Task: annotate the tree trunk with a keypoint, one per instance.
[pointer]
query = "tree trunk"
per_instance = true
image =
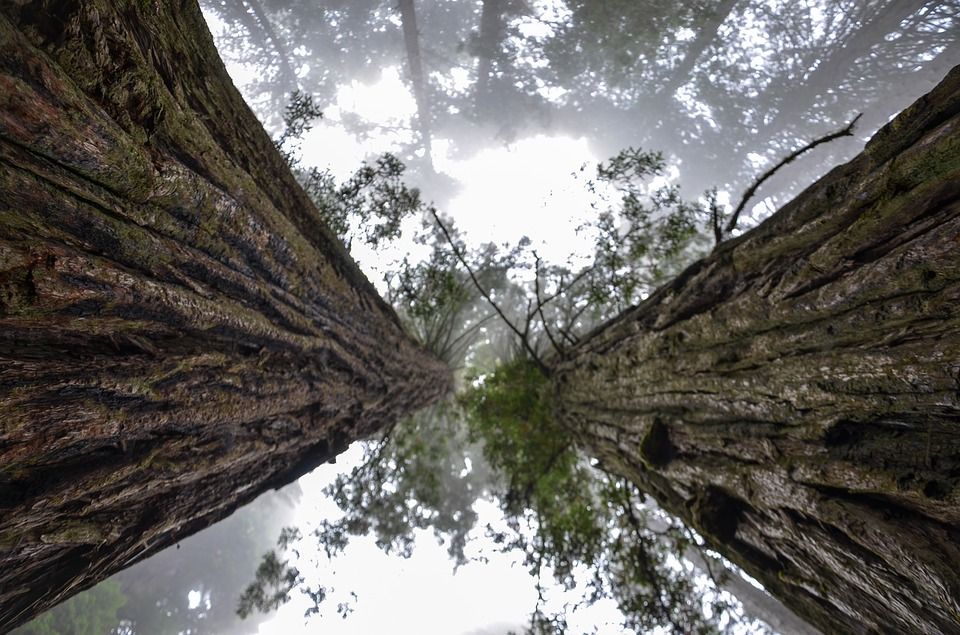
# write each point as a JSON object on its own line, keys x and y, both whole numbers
{"x": 705, "y": 38}
{"x": 411, "y": 41}
{"x": 178, "y": 332}
{"x": 757, "y": 604}
{"x": 795, "y": 396}
{"x": 804, "y": 92}
{"x": 489, "y": 45}
{"x": 257, "y": 20}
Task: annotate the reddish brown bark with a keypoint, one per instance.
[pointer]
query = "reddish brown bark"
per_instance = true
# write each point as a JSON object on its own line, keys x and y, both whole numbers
{"x": 178, "y": 332}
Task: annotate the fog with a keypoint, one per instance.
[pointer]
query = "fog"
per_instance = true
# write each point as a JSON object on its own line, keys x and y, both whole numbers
{"x": 494, "y": 108}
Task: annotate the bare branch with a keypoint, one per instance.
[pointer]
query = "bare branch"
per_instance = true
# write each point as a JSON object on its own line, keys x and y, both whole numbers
{"x": 469, "y": 331}
{"x": 846, "y": 131}
{"x": 572, "y": 339}
{"x": 540, "y": 303}
{"x": 572, "y": 322}
{"x": 486, "y": 296}
{"x": 715, "y": 221}
{"x": 562, "y": 289}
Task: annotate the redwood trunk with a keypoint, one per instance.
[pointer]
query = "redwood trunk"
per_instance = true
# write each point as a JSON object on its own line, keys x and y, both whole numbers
{"x": 178, "y": 332}
{"x": 795, "y": 396}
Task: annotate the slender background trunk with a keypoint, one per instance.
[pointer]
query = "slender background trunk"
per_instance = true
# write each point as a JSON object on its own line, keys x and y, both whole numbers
{"x": 178, "y": 332}
{"x": 489, "y": 46}
{"x": 260, "y": 28}
{"x": 832, "y": 70}
{"x": 795, "y": 396}
{"x": 411, "y": 42}
{"x": 705, "y": 38}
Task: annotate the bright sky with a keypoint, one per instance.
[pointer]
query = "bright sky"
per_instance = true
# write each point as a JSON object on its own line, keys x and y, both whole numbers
{"x": 396, "y": 595}
{"x": 508, "y": 191}
{"x": 417, "y": 595}
{"x": 524, "y": 189}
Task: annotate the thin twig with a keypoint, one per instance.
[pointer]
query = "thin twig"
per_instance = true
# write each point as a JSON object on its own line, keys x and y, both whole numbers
{"x": 715, "y": 220}
{"x": 486, "y": 296}
{"x": 705, "y": 557}
{"x": 472, "y": 328}
{"x": 568, "y": 336}
{"x": 846, "y": 131}
{"x": 563, "y": 288}
{"x": 572, "y": 322}
{"x": 540, "y": 303}
{"x": 649, "y": 568}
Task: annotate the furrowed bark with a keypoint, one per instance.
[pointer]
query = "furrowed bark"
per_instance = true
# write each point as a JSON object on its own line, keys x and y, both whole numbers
{"x": 178, "y": 332}
{"x": 795, "y": 396}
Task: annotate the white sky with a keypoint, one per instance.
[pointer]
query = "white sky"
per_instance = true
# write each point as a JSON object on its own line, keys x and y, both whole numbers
{"x": 417, "y": 595}
{"x": 396, "y": 595}
{"x": 525, "y": 188}
{"x": 507, "y": 192}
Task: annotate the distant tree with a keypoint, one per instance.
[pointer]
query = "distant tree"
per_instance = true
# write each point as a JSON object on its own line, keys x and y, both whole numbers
{"x": 723, "y": 84}
{"x": 707, "y": 36}
{"x": 411, "y": 43}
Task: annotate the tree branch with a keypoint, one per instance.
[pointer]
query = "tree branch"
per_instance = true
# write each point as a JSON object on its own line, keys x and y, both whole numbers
{"x": 451, "y": 346}
{"x": 846, "y": 131}
{"x": 486, "y": 296}
{"x": 715, "y": 221}
{"x": 540, "y": 303}
{"x": 575, "y": 280}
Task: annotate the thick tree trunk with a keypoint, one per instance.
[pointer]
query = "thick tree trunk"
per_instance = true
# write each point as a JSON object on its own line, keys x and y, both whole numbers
{"x": 178, "y": 333}
{"x": 795, "y": 396}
